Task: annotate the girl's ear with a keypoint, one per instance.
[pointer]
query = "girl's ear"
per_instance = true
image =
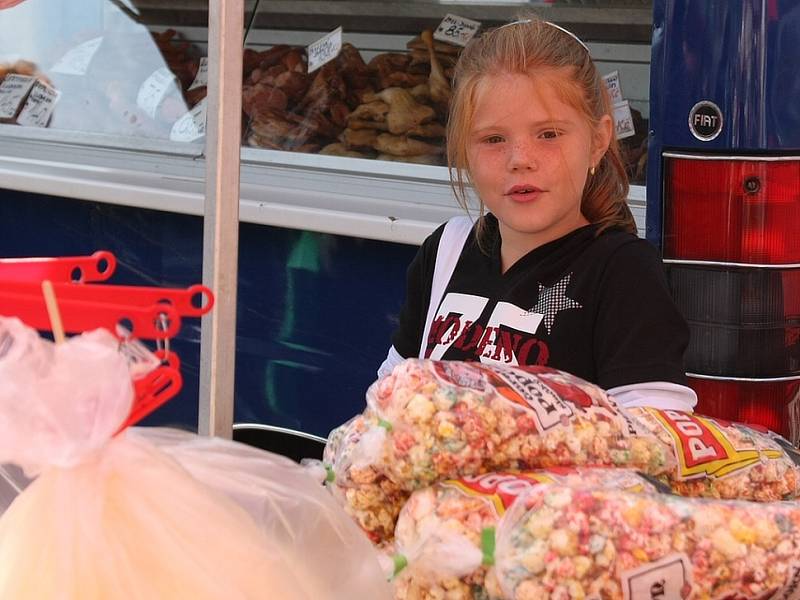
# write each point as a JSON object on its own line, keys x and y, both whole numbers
{"x": 602, "y": 138}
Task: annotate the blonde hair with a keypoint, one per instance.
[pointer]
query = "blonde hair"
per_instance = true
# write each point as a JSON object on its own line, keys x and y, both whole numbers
{"x": 521, "y": 48}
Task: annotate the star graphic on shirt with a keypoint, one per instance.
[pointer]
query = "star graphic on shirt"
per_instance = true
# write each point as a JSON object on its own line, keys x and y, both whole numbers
{"x": 552, "y": 301}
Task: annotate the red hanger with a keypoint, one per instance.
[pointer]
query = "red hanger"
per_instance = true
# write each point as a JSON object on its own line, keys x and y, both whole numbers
{"x": 146, "y": 312}
{"x": 97, "y": 267}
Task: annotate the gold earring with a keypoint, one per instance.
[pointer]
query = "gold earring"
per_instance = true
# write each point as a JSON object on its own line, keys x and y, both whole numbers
{"x": 591, "y": 171}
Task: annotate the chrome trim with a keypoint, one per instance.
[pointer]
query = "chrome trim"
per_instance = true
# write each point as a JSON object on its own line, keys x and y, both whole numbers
{"x": 274, "y": 428}
{"x": 720, "y": 157}
{"x": 745, "y": 379}
{"x": 716, "y": 263}
{"x": 68, "y": 139}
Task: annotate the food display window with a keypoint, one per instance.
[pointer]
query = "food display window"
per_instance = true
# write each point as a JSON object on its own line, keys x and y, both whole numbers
{"x": 344, "y": 103}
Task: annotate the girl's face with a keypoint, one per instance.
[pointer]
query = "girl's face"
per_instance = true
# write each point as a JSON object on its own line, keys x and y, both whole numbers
{"x": 529, "y": 154}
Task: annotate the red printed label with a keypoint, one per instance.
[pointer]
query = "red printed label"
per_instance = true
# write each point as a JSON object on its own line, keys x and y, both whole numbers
{"x": 551, "y": 395}
{"x": 501, "y": 489}
{"x": 703, "y": 448}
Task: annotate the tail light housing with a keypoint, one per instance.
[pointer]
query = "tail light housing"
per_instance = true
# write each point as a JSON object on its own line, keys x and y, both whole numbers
{"x": 732, "y": 253}
{"x": 732, "y": 210}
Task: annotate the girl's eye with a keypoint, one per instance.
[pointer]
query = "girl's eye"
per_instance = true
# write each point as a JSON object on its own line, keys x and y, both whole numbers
{"x": 550, "y": 134}
{"x": 493, "y": 139}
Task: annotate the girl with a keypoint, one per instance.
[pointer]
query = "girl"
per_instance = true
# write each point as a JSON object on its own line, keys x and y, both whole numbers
{"x": 552, "y": 273}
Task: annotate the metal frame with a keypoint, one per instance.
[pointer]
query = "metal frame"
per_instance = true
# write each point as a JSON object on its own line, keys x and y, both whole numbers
{"x": 745, "y": 379}
{"x": 717, "y": 263}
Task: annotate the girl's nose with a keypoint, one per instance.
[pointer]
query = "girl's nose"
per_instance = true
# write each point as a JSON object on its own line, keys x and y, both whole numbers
{"x": 522, "y": 157}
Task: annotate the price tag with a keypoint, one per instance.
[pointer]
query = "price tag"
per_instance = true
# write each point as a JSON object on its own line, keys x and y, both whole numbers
{"x": 456, "y": 30}
{"x": 190, "y": 126}
{"x": 665, "y": 579}
{"x": 77, "y": 60}
{"x": 138, "y": 356}
{"x": 155, "y": 88}
{"x": 201, "y": 79}
{"x": 39, "y": 106}
{"x": 324, "y": 49}
{"x": 13, "y": 91}
{"x": 623, "y": 120}
{"x": 614, "y": 87}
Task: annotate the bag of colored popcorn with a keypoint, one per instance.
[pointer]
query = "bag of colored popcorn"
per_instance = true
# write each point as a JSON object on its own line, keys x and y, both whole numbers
{"x": 567, "y": 542}
{"x": 367, "y": 495}
{"x": 445, "y": 536}
{"x": 721, "y": 459}
{"x": 434, "y": 420}
{"x": 444, "y": 419}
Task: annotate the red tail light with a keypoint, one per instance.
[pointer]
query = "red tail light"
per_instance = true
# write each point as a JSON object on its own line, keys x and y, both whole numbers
{"x": 742, "y": 211}
{"x": 773, "y": 404}
{"x": 732, "y": 248}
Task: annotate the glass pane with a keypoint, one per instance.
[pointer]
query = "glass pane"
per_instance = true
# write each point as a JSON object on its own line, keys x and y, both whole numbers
{"x": 390, "y": 65}
{"x": 114, "y": 67}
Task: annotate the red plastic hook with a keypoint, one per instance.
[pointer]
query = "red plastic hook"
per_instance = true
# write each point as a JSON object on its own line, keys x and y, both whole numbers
{"x": 97, "y": 267}
{"x": 154, "y": 389}
{"x": 182, "y": 300}
{"x": 157, "y": 321}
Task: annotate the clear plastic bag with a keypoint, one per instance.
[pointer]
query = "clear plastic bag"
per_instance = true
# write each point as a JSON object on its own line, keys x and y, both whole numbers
{"x": 151, "y": 513}
{"x": 562, "y": 542}
{"x": 433, "y": 420}
{"x": 448, "y": 418}
{"x": 371, "y": 498}
{"x": 721, "y": 459}
{"x": 445, "y": 537}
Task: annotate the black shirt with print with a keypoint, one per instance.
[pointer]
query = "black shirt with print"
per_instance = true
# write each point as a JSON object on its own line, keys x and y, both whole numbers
{"x": 595, "y": 306}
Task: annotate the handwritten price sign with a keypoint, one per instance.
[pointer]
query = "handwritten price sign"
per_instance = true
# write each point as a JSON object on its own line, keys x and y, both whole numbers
{"x": 324, "y": 49}
{"x": 614, "y": 87}
{"x": 201, "y": 79}
{"x": 623, "y": 120}
{"x": 456, "y": 30}
{"x": 39, "y": 106}
{"x": 192, "y": 125}
{"x": 13, "y": 90}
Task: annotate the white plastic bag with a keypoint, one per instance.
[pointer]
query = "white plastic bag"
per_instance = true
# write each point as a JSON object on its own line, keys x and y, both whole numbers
{"x": 153, "y": 514}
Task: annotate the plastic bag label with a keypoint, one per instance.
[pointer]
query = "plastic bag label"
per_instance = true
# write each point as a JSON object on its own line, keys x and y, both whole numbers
{"x": 501, "y": 489}
{"x": 39, "y": 106}
{"x": 551, "y": 403}
{"x": 790, "y": 591}
{"x": 703, "y": 449}
{"x": 666, "y": 579}
{"x": 77, "y": 60}
{"x": 13, "y": 90}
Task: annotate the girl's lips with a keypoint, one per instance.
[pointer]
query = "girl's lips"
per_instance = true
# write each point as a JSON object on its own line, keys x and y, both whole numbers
{"x": 524, "y": 193}
{"x": 523, "y": 187}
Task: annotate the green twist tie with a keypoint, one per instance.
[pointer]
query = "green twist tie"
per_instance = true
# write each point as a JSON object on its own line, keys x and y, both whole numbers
{"x": 400, "y": 563}
{"x": 385, "y": 424}
{"x": 488, "y": 546}
{"x": 330, "y": 476}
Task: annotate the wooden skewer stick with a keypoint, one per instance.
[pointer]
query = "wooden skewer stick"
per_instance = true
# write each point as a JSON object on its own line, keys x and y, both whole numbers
{"x": 52, "y": 311}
